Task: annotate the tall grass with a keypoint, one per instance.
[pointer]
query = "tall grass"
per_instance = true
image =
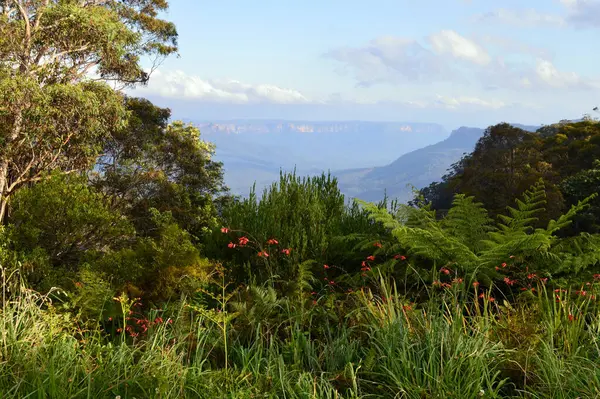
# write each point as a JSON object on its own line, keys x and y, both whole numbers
{"x": 384, "y": 347}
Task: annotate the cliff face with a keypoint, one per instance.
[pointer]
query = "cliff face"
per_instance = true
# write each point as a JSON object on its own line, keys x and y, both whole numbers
{"x": 257, "y": 127}
{"x": 257, "y": 149}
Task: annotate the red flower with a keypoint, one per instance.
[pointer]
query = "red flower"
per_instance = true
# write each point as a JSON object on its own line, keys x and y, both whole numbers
{"x": 497, "y": 268}
{"x": 371, "y": 258}
{"x": 531, "y": 275}
{"x": 582, "y": 293}
{"x": 457, "y": 281}
{"x": 596, "y": 276}
{"x": 543, "y": 280}
{"x": 364, "y": 264}
{"x": 492, "y": 299}
{"x": 512, "y": 256}
{"x": 571, "y": 317}
{"x": 158, "y": 320}
{"x": 332, "y": 282}
{"x": 231, "y": 245}
{"x": 445, "y": 271}
{"x": 243, "y": 240}
{"x": 401, "y": 257}
{"x": 509, "y": 281}
{"x": 313, "y": 293}
{"x": 78, "y": 284}
{"x": 481, "y": 295}
{"x": 314, "y": 302}
{"x": 224, "y": 230}
{"x": 504, "y": 265}
{"x": 475, "y": 284}
{"x": 325, "y": 267}
{"x": 110, "y": 319}
{"x": 377, "y": 244}
{"x": 286, "y": 251}
{"x": 272, "y": 241}
{"x": 263, "y": 254}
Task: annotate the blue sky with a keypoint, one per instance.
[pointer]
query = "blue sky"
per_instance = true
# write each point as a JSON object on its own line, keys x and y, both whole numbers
{"x": 455, "y": 62}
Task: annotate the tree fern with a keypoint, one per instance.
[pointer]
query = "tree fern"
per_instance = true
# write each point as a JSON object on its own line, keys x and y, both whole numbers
{"x": 466, "y": 238}
{"x": 521, "y": 219}
{"x": 468, "y": 221}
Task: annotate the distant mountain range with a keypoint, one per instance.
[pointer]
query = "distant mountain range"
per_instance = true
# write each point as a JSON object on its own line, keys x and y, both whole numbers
{"x": 257, "y": 150}
{"x": 368, "y": 158}
{"x": 416, "y": 169}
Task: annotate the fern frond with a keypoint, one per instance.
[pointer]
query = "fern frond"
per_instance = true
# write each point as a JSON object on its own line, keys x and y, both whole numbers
{"x": 467, "y": 221}
{"x": 522, "y": 218}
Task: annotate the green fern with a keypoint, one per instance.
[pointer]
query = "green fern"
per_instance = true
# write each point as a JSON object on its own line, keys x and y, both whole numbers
{"x": 467, "y": 240}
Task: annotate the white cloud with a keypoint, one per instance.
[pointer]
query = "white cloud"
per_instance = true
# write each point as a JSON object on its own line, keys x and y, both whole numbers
{"x": 450, "y": 42}
{"x": 391, "y": 59}
{"x": 583, "y": 13}
{"x": 462, "y": 101}
{"x": 457, "y": 60}
{"x": 548, "y": 74}
{"x": 521, "y": 17}
{"x": 178, "y": 84}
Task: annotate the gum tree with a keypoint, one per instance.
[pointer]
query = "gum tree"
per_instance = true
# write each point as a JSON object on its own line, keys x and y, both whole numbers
{"x": 61, "y": 65}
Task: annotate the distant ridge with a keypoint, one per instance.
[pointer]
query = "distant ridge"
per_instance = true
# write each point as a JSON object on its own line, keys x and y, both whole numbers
{"x": 418, "y": 168}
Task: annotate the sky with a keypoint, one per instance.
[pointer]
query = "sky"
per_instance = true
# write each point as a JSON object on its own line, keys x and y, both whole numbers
{"x": 453, "y": 62}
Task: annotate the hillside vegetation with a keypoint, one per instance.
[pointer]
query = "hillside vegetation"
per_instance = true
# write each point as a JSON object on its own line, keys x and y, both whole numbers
{"x": 129, "y": 271}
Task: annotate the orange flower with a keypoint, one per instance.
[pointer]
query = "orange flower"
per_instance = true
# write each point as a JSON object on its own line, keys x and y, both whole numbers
{"x": 263, "y": 254}
{"x": 272, "y": 241}
{"x": 285, "y": 251}
{"x": 509, "y": 281}
{"x": 231, "y": 245}
{"x": 377, "y": 244}
{"x": 224, "y": 230}
{"x": 371, "y": 258}
{"x": 475, "y": 284}
{"x": 445, "y": 271}
{"x": 243, "y": 240}
{"x": 492, "y": 299}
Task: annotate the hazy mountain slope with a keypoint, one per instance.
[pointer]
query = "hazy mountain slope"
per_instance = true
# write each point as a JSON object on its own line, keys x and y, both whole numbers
{"x": 418, "y": 168}
{"x": 257, "y": 150}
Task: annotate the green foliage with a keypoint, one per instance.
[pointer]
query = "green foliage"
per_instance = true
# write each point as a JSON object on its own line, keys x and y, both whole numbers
{"x": 160, "y": 267}
{"x": 59, "y": 223}
{"x": 506, "y": 161}
{"x": 466, "y": 242}
{"x": 161, "y": 165}
{"x": 308, "y": 216}
{"x": 53, "y": 115}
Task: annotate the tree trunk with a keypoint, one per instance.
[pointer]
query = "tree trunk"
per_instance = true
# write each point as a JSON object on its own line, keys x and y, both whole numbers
{"x": 3, "y": 187}
{"x": 5, "y": 164}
